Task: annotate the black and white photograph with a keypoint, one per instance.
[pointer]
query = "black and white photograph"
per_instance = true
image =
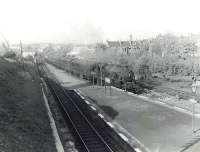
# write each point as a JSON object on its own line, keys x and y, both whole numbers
{"x": 99, "y": 76}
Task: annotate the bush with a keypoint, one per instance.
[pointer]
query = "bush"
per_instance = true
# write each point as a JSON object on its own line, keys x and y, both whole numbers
{"x": 29, "y": 58}
{"x": 9, "y": 54}
{"x": 142, "y": 68}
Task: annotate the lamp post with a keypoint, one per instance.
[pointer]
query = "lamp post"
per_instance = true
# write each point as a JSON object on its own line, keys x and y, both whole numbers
{"x": 93, "y": 73}
{"x": 101, "y": 75}
{"x": 194, "y": 88}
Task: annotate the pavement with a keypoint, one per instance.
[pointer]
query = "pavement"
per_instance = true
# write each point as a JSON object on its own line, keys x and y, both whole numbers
{"x": 159, "y": 127}
{"x": 66, "y": 79}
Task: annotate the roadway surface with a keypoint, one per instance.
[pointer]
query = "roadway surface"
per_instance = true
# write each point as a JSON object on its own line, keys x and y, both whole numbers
{"x": 159, "y": 128}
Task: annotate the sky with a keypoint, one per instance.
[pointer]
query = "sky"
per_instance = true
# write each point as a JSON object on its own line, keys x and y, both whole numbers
{"x": 91, "y": 21}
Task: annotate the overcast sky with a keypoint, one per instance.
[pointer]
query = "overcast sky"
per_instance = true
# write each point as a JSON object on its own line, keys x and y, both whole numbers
{"x": 85, "y": 21}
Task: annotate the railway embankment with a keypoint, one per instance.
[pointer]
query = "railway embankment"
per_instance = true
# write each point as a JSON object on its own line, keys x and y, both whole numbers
{"x": 24, "y": 124}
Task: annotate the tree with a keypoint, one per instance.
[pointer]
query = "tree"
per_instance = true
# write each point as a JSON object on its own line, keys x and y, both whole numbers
{"x": 9, "y": 54}
{"x": 142, "y": 67}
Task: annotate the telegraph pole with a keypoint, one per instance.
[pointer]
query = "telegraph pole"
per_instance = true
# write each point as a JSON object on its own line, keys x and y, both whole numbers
{"x": 21, "y": 55}
{"x": 193, "y": 101}
{"x": 5, "y": 40}
{"x": 101, "y": 75}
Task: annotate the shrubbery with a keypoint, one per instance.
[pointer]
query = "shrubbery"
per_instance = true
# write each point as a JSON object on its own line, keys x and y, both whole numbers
{"x": 9, "y": 54}
{"x": 167, "y": 54}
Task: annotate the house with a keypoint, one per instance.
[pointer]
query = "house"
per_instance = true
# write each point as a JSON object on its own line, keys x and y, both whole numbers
{"x": 81, "y": 52}
{"x": 128, "y": 46}
{"x": 123, "y": 45}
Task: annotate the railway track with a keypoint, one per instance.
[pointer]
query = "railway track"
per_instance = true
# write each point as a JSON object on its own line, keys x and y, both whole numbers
{"x": 90, "y": 132}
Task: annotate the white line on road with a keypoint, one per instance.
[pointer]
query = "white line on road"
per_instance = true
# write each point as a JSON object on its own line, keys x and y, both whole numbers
{"x": 87, "y": 102}
{"x": 93, "y": 108}
{"x": 123, "y": 137}
{"x": 100, "y": 115}
{"x": 110, "y": 124}
{"x": 180, "y": 109}
{"x": 82, "y": 97}
{"x": 144, "y": 97}
{"x": 162, "y": 103}
{"x": 137, "y": 150}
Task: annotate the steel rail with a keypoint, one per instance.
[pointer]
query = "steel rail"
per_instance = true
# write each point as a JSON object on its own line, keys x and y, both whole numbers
{"x": 94, "y": 134}
{"x": 68, "y": 116}
{"x": 81, "y": 135}
{"x": 81, "y": 119}
{"x": 65, "y": 111}
{"x": 68, "y": 96}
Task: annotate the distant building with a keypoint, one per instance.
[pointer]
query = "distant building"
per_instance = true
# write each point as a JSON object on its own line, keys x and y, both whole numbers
{"x": 129, "y": 46}
{"x": 26, "y": 54}
{"x": 81, "y": 52}
{"x": 100, "y": 46}
{"x": 196, "y": 39}
{"x": 198, "y": 48}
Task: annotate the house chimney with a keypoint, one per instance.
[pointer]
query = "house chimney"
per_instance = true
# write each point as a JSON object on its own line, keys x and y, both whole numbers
{"x": 130, "y": 38}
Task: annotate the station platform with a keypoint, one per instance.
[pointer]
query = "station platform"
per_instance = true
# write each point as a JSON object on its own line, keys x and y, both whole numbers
{"x": 158, "y": 127}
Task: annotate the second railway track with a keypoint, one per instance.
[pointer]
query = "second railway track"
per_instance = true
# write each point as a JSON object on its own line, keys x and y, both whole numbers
{"x": 90, "y": 132}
